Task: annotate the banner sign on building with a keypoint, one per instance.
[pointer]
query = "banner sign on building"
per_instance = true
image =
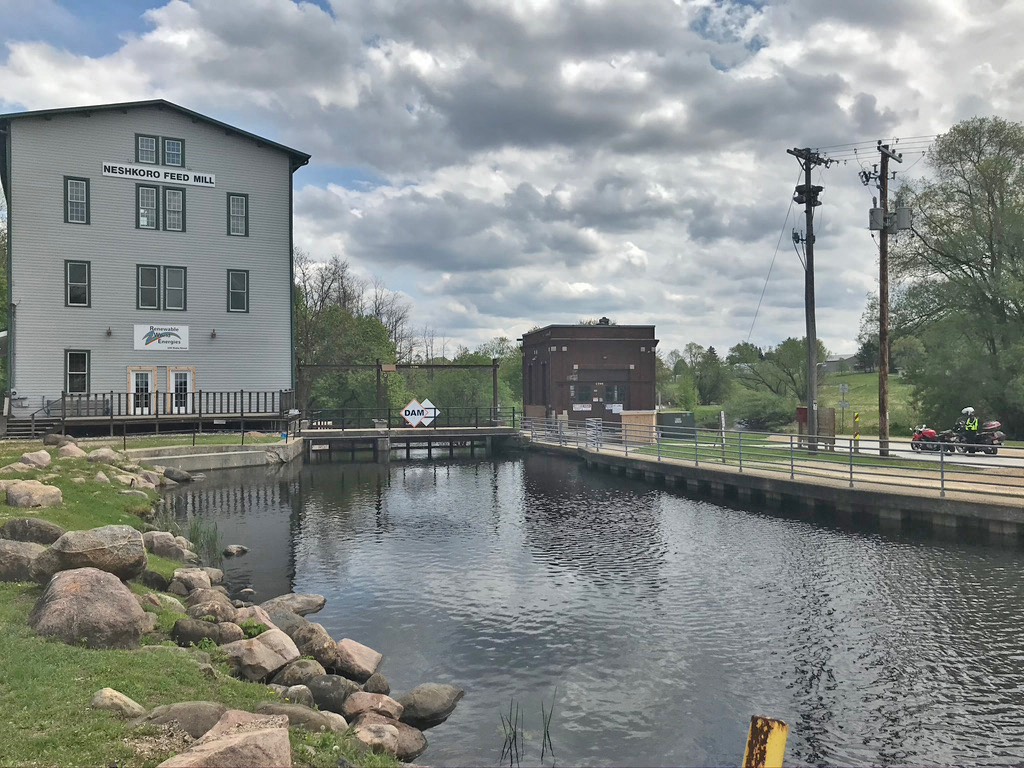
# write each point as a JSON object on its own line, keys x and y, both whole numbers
{"x": 163, "y": 175}
{"x": 161, "y": 337}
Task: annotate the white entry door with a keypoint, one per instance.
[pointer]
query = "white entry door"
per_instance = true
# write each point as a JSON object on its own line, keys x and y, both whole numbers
{"x": 142, "y": 393}
{"x": 182, "y": 386}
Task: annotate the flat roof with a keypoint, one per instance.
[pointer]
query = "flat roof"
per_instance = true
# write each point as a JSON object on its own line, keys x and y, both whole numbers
{"x": 298, "y": 158}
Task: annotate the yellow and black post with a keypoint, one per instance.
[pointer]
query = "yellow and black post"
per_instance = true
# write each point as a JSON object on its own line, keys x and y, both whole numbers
{"x": 856, "y": 432}
{"x": 766, "y": 743}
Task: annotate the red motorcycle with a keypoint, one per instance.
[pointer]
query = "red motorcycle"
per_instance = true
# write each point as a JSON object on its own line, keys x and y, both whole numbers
{"x": 927, "y": 439}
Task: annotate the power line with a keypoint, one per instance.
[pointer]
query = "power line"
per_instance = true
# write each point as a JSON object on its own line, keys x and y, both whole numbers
{"x": 771, "y": 266}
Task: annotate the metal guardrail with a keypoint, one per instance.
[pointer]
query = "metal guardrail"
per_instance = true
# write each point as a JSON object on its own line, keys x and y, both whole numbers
{"x": 854, "y": 463}
{"x": 392, "y": 418}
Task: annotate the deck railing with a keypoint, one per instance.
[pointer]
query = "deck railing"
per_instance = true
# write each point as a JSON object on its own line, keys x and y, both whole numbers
{"x": 239, "y": 402}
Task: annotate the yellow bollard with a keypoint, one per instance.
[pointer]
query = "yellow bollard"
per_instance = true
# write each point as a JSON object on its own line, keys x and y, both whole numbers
{"x": 766, "y": 743}
{"x": 856, "y": 432}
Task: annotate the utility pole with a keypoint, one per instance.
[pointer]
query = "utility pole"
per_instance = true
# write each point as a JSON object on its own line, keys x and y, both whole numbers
{"x": 881, "y": 221}
{"x": 807, "y": 194}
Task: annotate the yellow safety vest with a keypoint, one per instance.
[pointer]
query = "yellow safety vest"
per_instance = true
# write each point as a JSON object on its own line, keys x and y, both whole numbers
{"x": 971, "y": 425}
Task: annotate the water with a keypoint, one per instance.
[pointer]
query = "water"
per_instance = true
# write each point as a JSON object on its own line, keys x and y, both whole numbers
{"x": 655, "y": 624}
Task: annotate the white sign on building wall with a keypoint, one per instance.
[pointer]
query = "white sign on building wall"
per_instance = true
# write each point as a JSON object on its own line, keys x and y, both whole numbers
{"x": 138, "y": 172}
{"x": 161, "y": 337}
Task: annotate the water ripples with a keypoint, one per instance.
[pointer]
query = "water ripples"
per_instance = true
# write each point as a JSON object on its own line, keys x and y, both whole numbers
{"x": 657, "y": 624}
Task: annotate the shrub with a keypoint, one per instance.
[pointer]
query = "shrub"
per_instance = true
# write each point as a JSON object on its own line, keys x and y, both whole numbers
{"x": 760, "y": 410}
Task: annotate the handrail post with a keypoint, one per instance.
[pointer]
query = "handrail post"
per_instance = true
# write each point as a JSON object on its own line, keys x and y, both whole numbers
{"x": 657, "y": 441}
{"x": 63, "y": 413}
{"x": 792, "y": 459}
{"x": 942, "y": 473}
{"x": 851, "y": 463}
{"x": 625, "y": 438}
{"x": 111, "y": 413}
{"x": 696, "y": 445}
{"x": 740, "y": 450}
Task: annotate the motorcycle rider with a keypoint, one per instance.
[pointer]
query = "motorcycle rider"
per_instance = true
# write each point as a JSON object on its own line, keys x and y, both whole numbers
{"x": 969, "y": 424}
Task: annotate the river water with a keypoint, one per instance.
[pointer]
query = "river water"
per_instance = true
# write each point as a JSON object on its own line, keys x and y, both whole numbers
{"x": 654, "y": 624}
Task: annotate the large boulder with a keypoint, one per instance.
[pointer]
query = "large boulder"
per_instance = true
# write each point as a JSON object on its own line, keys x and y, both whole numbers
{"x": 313, "y": 640}
{"x": 377, "y": 737}
{"x": 429, "y": 704}
{"x": 259, "y": 658}
{"x": 187, "y": 632}
{"x": 235, "y": 550}
{"x": 31, "y": 529}
{"x": 104, "y": 456}
{"x": 361, "y": 702}
{"x": 411, "y": 741}
{"x": 114, "y": 701}
{"x": 253, "y": 613}
{"x": 53, "y": 438}
{"x": 32, "y": 494}
{"x": 330, "y": 691}
{"x": 377, "y": 684}
{"x": 299, "y": 694}
{"x": 298, "y": 672}
{"x": 91, "y": 607}
{"x": 193, "y": 578}
{"x": 164, "y": 544}
{"x": 155, "y": 580}
{"x": 177, "y": 475}
{"x": 38, "y": 459}
{"x": 356, "y": 660}
{"x": 239, "y": 739}
{"x": 289, "y": 623}
{"x": 193, "y": 717}
{"x": 16, "y": 559}
{"x": 300, "y": 716}
{"x": 296, "y": 603}
{"x": 116, "y": 549}
{"x": 71, "y": 451}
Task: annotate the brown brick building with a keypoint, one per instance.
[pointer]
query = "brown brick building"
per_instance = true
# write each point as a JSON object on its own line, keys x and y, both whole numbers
{"x": 589, "y": 371}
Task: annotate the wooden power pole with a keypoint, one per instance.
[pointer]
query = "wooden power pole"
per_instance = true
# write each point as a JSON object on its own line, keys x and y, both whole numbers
{"x": 807, "y": 194}
{"x": 883, "y": 296}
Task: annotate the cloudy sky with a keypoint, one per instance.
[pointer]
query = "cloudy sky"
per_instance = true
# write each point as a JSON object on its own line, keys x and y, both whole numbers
{"x": 514, "y": 163}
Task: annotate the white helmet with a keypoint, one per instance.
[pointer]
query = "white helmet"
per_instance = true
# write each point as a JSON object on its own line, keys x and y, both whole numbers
{"x": 968, "y": 411}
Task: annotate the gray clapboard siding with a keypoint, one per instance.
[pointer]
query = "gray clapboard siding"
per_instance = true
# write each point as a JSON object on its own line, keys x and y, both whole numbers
{"x": 251, "y": 350}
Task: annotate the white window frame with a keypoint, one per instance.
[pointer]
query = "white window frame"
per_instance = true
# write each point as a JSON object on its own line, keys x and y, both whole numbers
{"x": 68, "y": 372}
{"x": 170, "y": 210}
{"x": 238, "y": 222}
{"x": 139, "y": 150}
{"x": 68, "y": 283}
{"x": 139, "y": 190}
{"x": 139, "y": 286}
{"x": 80, "y": 197}
{"x": 167, "y": 288}
{"x": 244, "y": 292}
{"x": 180, "y": 153}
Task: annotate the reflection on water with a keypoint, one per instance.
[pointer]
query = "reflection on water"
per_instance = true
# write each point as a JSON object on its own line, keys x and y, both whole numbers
{"x": 657, "y": 624}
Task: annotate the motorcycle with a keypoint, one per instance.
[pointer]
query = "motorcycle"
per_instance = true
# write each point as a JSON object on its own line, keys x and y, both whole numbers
{"x": 986, "y": 440}
{"x": 927, "y": 439}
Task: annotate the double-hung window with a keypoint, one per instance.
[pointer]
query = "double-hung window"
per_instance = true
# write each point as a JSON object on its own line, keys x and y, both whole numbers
{"x": 238, "y": 290}
{"x": 160, "y": 287}
{"x": 174, "y": 288}
{"x": 148, "y": 290}
{"x": 148, "y": 210}
{"x": 76, "y": 371}
{"x": 77, "y": 284}
{"x": 145, "y": 149}
{"x": 174, "y": 152}
{"x": 238, "y": 214}
{"x": 76, "y": 200}
{"x": 152, "y": 200}
{"x": 174, "y": 209}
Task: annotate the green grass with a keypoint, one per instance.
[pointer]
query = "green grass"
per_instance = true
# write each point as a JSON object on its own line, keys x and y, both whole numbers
{"x": 863, "y": 399}
{"x": 46, "y": 686}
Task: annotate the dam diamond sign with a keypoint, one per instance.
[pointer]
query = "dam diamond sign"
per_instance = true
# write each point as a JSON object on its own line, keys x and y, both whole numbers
{"x": 417, "y": 413}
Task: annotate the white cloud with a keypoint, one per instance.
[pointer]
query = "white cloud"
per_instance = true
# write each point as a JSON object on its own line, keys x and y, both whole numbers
{"x": 557, "y": 160}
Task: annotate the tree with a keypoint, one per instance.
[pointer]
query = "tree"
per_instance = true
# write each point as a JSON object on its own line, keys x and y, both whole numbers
{"x": 782, "y": 370}
{"x": 967, "y": 256}
{"x": 711, "y": 377}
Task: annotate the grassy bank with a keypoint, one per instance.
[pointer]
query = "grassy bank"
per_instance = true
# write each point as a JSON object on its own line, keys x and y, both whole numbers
{"x": 863, "y": 399}
{"x": 46, "y": 686}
